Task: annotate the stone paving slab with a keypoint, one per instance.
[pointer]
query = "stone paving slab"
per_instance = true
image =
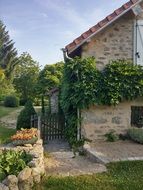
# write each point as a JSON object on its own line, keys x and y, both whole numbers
{"x": 61, "y": 162}
{"x": 105, "y": 152}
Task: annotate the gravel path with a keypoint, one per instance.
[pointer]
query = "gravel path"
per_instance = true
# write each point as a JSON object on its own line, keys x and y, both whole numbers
{"x": 61, "y": 162}
{"x": 10, "y": 120}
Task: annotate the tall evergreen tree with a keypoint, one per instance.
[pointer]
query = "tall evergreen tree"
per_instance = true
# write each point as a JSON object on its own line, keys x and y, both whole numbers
{"x": 8, "y": 53}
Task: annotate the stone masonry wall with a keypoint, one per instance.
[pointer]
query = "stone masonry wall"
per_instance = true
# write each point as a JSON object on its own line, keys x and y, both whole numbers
{"x": 99, "y": 120}
{"x": 31, "y": 174}
{"x": 115, "y": 42}
{"x": 54, "y": 102}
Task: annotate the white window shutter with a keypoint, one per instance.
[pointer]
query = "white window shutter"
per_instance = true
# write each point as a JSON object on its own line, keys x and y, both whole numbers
{"x": 139, "y": 43}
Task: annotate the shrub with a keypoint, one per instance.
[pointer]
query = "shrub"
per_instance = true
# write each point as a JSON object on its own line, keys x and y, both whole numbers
{"x": 22, "y": 102}
{"x": 12, "y": 162}
{"x": 136, "y": 135}
{"x": 24, "y": 118}
{"x": 124, "y": 137}
{"x": 11, "y": 101}
{"x": 111, "y": 136}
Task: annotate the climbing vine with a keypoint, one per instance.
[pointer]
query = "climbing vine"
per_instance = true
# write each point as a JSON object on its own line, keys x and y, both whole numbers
{"x": 78, "y": 89}
{"x": 119, "y": 81}
{"x": 83, "y": 85}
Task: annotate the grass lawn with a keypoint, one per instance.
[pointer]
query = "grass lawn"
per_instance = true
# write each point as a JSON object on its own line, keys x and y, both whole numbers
{"x": 5, "y": 111}
{"x": 5, "y": 134}
{"x": 120, "y": 176}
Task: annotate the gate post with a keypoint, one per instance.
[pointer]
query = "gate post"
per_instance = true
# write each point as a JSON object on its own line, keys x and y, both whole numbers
{"x": 78, "y": 125}
{"x": 39, "y": 126}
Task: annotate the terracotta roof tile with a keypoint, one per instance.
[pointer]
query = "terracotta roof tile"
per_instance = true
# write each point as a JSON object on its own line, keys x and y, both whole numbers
{"x": 119, "y": 11}
{"x": 78, "y": 41}
{"x": 111, "y": 16}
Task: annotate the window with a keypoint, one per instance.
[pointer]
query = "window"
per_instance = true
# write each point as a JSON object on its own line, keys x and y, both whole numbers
{"x": 136, "y": 116}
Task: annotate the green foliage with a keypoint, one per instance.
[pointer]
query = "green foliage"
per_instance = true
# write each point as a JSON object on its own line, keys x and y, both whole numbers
{"x": 80, "y": 78}
{"x": 12, "y": 162}
{"x": 136, "y": 135}
{"x": 83, "y": 85}
{"x": 6, "y": 88}
{"x": 8, "y": 62}
{"x": 77, "y": 147}
{"x": 11, "y": 101}
{"x": 120, "y": 176}
{"x": 2, "y": 75}
{"x": 111, "y": 136}
{"x": 26, "y": 77}
{"x": 2, "y": 175}
{"x": 124, "y": 137}
{"x": 5, "y": 134}
{"x": 119, "y": 81}
{"x": 8, "y": 54}
{"x": 43, "y": 105}
{"x": 24, "y": 118}
{"x": 50, "y": 77}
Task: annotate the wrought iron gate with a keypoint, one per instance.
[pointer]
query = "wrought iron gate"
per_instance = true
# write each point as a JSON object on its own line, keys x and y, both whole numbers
{"x": 52, "y": 127}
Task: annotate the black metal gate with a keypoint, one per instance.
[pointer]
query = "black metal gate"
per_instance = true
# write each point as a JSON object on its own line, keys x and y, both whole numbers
{"x": 52, "y": 127}
{"x": 34, "y": 121}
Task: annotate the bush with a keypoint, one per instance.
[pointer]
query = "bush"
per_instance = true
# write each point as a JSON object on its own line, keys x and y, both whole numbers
{"x": 136, "y": 135}
{"x": 22, "y": 102}
{"x": 111, "y": 136}
{"x": 24, "y": 118}
{"x": 124, "y": 137}
{"x": 11, "y": 101}
{"x": 12, "y": 162}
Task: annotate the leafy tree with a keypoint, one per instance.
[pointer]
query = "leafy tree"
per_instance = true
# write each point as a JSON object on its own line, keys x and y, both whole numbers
{"x": 50, "y": 77}
{"x": 6, "y": 86}
{"x": 8, "y": 54}
{"x": 26, "y": 76}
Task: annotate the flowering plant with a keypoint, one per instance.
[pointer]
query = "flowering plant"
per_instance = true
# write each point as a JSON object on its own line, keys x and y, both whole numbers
{"x": 25, "y": 135}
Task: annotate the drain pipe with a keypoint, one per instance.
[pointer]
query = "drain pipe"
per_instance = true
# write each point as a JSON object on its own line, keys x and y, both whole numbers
{"x": 66, "y": 58}
{"x": 65, "y": 55}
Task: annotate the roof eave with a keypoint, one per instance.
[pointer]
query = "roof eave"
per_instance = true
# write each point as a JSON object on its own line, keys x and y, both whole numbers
{"x": 106, "y": 25}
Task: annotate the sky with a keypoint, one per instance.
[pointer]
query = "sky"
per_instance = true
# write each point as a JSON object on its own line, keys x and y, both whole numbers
{"x": 43, "y": 27}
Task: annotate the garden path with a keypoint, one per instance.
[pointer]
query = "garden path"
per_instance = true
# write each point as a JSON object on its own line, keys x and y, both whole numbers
{"x": 59, "y": 161}
{"x": 10, "y": 119}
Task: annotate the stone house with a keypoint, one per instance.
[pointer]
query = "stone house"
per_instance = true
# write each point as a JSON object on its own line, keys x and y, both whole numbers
{"x": 118, "y": 36}
{"x": 54, "y": 100}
